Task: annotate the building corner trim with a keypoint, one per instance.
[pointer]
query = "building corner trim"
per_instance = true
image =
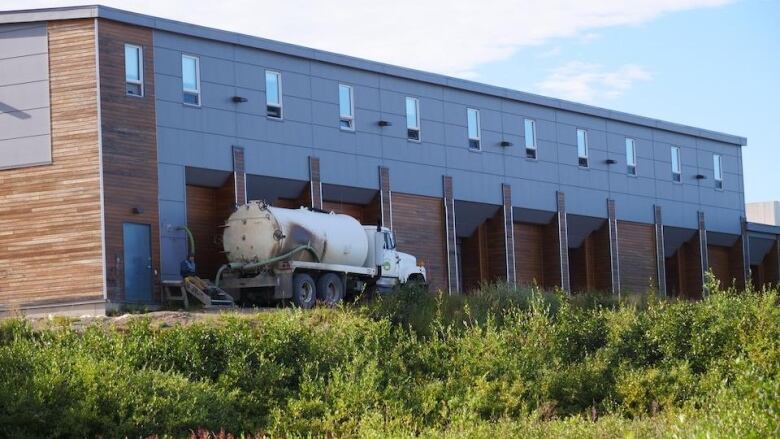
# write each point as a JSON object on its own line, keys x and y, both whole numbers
{"x": 103, "y": 261}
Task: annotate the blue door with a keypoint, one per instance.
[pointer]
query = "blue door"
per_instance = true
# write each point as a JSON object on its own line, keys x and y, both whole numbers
{"x": 138, "y": 262}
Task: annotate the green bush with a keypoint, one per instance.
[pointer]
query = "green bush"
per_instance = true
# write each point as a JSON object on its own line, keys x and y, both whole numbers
{"x": 500, "y": 362}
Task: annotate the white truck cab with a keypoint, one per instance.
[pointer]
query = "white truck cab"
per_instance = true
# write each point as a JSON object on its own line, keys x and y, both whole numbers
{"x": 395, "y": 267}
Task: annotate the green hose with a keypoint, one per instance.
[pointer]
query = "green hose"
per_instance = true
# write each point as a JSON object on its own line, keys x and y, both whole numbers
{"x": 253, "y": 265}
{"x": 191, "y": 240}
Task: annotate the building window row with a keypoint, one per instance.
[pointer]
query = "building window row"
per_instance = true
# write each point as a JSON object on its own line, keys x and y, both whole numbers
{"x": 190, "y": 67}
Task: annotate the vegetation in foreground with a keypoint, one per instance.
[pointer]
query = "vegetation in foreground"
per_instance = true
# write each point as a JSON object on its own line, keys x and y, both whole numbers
{"x": 499, "y": 363}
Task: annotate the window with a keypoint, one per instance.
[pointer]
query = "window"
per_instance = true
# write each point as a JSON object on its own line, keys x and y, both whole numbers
{"x": 582, "y": 147}
{"x": 273, "y": 94}
{"x": 389, "y": 241}
{"x": 134, "y": 70}
{"x": 472, "y": 116}
{"x": 413, "y": 119}
{"x": 717, "y": 167}
{"x": 346, "y": 108}
{"x": 530, "y": 139}
{"x": 676, "y": 166}
{"x": 190, "y": 79}
{"x": 630, "y": 156}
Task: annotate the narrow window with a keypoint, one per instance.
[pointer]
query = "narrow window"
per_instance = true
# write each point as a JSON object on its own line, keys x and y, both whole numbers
{"x": 134, "y": 70}
{"x": 190, "y": 76}
{"x": 473, "y": 128}
{"x": 413, "y": 119}
{"x": 273, "y": 94}
{"x": 717, "y": 166}
{"x": 582, "y": 147}
{"x": 530, "y": 139}
{"x": 346, "y": 108}
{"x": 676, "y": 166}
{"x": 630, "y": 156}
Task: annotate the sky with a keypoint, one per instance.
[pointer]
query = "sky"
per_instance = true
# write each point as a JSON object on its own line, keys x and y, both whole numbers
{"x": 713, "y": 64}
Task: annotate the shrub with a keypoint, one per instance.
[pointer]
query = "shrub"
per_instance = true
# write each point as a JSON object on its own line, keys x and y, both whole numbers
{"x": 500, "y": 362}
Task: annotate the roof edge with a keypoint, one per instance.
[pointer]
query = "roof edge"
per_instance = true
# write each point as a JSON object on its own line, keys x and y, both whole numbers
{"x": 198, "y": 31}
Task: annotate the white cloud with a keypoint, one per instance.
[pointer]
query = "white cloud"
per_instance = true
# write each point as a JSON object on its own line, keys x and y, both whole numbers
{"x": 590, "y": 83}
{"x": 443, "y": 36}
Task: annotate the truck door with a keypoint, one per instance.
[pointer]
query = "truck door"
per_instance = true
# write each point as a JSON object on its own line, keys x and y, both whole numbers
{"x": 390, "y": 258}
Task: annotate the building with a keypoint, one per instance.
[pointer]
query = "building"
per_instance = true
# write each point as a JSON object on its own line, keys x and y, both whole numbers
{"x": 766, "y": 212}
{"x": 117, "y": 129}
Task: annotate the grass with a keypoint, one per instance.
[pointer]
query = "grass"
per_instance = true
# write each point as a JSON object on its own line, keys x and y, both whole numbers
{"x": 499, "y": 363}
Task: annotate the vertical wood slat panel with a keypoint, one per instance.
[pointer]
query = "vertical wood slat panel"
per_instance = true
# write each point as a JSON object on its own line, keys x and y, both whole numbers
{"x": 129, "y": 138}
{"x": 509, "y": 233}
{"x": 529, "y": 254}
{"x": 50, "y": 216}
{"x": 660, "y": 251}
{"x": 614, "y": 248}
{"x": 420, "y": 231}
{"x": 315, "y": 183}
{"x": 638, "y": 261}
{"x": 385, "y": 198}
{"x": 563, "y": 242}
{"x": 451, "y": 239}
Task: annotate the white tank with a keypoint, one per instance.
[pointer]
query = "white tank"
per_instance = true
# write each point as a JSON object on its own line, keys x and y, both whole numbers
{"x": 256, "y": 232}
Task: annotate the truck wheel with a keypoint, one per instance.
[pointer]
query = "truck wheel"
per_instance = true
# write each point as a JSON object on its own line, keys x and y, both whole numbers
{"x": 304, "y": 291}
{"x": 330, "y": 289}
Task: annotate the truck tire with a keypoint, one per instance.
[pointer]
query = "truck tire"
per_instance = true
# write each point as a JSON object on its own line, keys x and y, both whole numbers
{"x": 304, "y": 291}
{"x": 330, "y": 289}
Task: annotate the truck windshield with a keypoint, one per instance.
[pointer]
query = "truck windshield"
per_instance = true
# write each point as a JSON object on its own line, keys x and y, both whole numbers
{"x": 389, "y": 241}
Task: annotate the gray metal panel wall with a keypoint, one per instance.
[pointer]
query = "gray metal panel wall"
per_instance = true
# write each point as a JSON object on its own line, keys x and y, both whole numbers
{"x": 203, "y": 137}
{"x": 25, "y": 123}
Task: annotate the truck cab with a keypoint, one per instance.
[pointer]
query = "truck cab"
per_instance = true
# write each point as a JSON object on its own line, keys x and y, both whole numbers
{"x": 395, "y": 267}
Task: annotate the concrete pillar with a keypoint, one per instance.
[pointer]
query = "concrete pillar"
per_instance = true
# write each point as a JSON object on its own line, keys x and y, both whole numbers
{"x": 509, "y": 233}
{"x": 614, "y": 251}
{"x": 239, "y": 176}
{"x": 703, "y": 250}
{"x": 385, "y": 198}
{"x": 563, "y": 241}
{"x": 453, "y": 283}
{"x": 315, "y": 184}
{"x": 660, "y": 250}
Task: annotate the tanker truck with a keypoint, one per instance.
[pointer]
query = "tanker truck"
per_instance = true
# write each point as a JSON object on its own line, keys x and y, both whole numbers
{"x": 309, "y": 255}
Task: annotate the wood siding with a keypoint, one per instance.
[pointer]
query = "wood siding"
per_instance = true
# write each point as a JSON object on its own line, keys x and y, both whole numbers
{"x": 636, "y": 251}
{"x": 719, "y": 263}
{"x": 683, "y": 271}
{"x": 483, "y": 256}
{"x": 367, "y": 214}
{"x": 496, "y": 247}
{"x": 50, "y": 216}
{"x": 529, "y": 254}
{"x": 590, "y": 265}
{"x": 768, "y": 272}
{"x": 726, "y": 264}
{"x": 129, "y": 149}
{"x": 207, "y": 209}
{"x": 419, "y": 230}
{"x": 551, "y": 256}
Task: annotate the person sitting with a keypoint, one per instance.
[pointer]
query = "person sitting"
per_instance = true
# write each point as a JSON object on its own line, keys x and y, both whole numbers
{"x": 189, "y": 274}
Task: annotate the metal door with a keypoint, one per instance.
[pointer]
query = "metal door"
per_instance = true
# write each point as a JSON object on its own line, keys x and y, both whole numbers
{"x": 138, "y": 262}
